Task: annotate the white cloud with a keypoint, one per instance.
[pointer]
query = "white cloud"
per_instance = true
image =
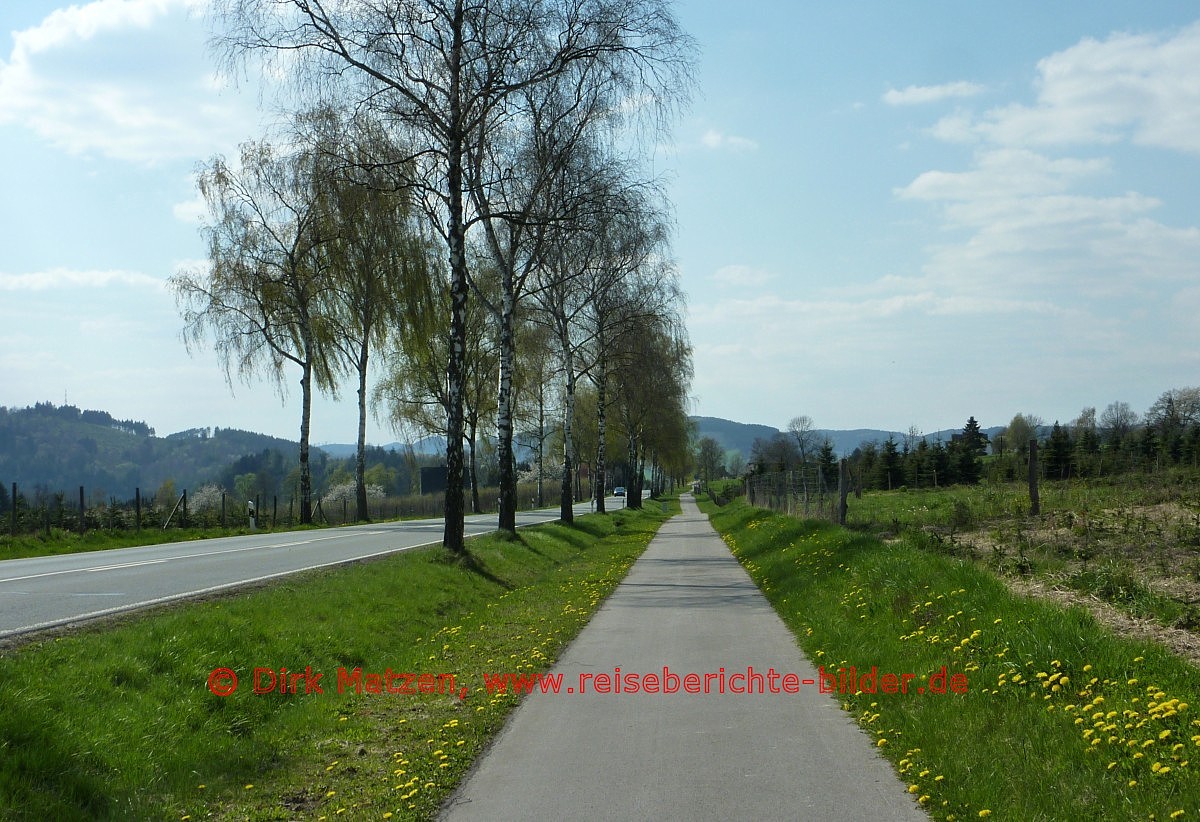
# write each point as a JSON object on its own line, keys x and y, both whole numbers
{"x": 1003, "y": 173}
{"x": 716, "y": 140}
{"x": 1072, "y": 229}
{"x": 78, "y": 80}
{"x": 62, "y": 278}
{"x": 1144, "y": 88}
{"x": 190, "y": 211}
{"x": 913, "y": 95}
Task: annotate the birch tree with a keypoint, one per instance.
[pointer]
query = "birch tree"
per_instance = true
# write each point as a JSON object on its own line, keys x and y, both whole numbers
{"x": 375, "y": 256}
{"x": 414, "y": 387}
{"x": 260, "y": 296}
{"x": 573, "y": 271}
{"x": 635, "y": 284}
{"x": 447, "y": 72}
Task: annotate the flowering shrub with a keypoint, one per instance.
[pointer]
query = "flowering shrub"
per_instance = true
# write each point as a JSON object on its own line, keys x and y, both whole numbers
{"x": 346, "y": 491}
{"x": 206, "y": 498}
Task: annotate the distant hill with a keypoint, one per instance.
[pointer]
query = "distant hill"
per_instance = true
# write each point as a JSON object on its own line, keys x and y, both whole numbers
{"x": 432, "y": 446}
{"x": 59, "y": 448}
{"x": 738, "y": 436}
{"x": 49, "y": 449}
{"x": 732, "y": 436}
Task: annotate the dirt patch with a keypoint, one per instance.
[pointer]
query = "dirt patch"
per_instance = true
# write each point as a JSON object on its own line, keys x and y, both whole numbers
{"x": 1184, "y": 643}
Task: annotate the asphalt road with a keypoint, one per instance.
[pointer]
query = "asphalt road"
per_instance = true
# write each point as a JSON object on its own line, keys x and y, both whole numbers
{"x": 46, "y": 592}
{"x": 687, "y": 606}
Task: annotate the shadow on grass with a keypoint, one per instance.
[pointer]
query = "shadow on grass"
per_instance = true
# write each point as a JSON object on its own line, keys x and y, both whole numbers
{"x": 473, "y": 564}
{"x": 46, "y": 776}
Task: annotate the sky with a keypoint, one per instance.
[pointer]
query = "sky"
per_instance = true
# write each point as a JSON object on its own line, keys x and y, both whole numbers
{"x": 889, "y": 215}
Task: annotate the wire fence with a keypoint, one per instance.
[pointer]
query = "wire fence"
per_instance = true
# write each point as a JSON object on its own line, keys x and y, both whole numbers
{"x": 805, "y": 492}
{"x": 39, "y": 511}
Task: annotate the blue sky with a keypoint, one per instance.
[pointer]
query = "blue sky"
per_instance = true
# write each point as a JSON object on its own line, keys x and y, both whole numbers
{"x": 889, "y": 214}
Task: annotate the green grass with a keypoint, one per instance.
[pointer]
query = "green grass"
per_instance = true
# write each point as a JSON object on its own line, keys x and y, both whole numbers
{"x": 1060, "y": 720}
{"x": 1133, "y": 541}
{"x": 118, "y": 722}
{"x": 962, "y": 506}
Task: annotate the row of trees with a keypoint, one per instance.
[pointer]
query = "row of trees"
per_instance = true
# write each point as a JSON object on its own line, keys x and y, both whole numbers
{"x": 460, "y": 191}
{"x": 891, "y": 464}
{"x": 1112, "y": 441}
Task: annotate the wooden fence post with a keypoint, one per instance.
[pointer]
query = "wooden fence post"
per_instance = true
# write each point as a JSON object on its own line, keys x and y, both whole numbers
{"x": 1035, "y": 505}
{"x": 843, "y": 488}
{"x": 82, "y": 512}
{"x": 137, "y": 507}
{"x": 13, "y": 519}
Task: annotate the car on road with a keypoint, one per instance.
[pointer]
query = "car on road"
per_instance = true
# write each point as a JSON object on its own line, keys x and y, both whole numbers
{"x": 619, "y": 491}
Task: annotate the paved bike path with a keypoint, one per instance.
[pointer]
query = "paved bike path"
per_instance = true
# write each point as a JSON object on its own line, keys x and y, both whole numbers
{"x": 689, "y": 606}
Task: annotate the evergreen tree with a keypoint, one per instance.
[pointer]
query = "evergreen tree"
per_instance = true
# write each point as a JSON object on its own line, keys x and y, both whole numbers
{"x": 1058, "y": 453}
{"x": 969, "y": 449}
{"x": 828, "y": 462}
{"x": 890, "y": 466}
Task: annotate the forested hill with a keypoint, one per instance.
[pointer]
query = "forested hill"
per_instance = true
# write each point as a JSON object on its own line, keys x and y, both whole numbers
{"x": 730, "y": 435}
{"x": 60, "y": 448}
{"x": 737, "y": 436}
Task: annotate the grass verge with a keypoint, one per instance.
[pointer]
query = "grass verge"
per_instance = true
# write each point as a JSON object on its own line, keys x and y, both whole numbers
{"x": 1059, "y": 719}
{"x": 119, "y": 722}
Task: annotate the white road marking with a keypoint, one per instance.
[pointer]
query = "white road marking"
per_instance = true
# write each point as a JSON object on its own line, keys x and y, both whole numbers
{"x": 117, "y": 566}
{"x": 133, "y": 606}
